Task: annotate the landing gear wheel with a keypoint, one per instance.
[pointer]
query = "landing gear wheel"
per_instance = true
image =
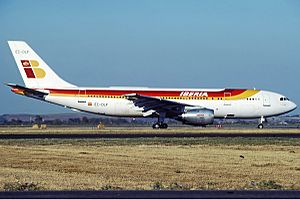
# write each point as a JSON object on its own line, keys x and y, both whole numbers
{"x": 260, "y": 126}
{"x": 160, "y": 125}
{"x": 156, "y": 126}
{"x": 164, "y": 126}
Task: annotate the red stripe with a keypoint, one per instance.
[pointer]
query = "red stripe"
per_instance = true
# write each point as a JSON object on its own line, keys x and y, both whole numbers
{"x": 29, "y": 73}
{"x": 233, "y": 92}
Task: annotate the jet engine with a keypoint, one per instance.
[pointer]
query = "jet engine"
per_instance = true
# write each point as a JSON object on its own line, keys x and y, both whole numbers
{"x": 198, "y": 117}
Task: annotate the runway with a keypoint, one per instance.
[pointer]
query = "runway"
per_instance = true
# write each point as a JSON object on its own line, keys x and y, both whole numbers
{"x": 144, "y": 135}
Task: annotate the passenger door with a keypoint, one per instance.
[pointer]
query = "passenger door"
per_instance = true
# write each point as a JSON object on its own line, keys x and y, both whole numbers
{"x": 266, "y": 100}
{"x": 227, "y": 98}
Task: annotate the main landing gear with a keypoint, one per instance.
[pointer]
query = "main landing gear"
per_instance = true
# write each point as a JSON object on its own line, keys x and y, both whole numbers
{"x": 160, "y": 125}
{"x": 160, "y": 122}
{"x": 261, "y": 120}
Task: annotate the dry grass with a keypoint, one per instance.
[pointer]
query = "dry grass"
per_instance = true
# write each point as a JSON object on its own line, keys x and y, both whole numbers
{"x": 187, "y": 163}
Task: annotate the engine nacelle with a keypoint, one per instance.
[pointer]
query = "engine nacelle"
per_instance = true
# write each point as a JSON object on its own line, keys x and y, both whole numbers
{"x": 198, "y": 116}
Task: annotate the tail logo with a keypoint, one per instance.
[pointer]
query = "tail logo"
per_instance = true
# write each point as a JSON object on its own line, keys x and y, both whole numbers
{"x": 32, "y": 69}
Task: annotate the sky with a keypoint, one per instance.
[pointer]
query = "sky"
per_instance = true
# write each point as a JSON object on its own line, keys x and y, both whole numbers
{"x": 154, "y": 43}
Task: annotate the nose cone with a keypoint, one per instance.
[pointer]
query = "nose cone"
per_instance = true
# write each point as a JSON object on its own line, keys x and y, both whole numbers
{"x": 293, "y": 106}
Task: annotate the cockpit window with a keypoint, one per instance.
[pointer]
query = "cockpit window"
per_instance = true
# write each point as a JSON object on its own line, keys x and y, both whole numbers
{"x": 284, "y": 99}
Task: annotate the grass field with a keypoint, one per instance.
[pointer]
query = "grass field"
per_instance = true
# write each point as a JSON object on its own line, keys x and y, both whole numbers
{"x": 150, "y": 163}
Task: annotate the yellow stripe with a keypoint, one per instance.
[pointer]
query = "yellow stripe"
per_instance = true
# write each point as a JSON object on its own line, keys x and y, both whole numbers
{"x": 244, "y": 95}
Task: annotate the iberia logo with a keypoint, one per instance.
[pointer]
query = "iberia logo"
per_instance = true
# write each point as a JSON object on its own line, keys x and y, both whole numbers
{"x": 32, "y": 70}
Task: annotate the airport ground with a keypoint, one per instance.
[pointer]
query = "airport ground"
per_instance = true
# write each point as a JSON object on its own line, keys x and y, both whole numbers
{"x": 150, "y": 163}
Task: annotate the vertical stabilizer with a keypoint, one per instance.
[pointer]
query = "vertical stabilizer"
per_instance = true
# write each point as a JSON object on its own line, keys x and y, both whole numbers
{"x": 35, "y": 72}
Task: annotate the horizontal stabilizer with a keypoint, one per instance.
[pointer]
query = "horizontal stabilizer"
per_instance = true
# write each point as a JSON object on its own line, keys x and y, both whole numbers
{"x": 18, "y": 89}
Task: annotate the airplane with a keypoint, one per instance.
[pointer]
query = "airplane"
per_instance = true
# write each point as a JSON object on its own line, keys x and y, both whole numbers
{"x": 192, "y": 106}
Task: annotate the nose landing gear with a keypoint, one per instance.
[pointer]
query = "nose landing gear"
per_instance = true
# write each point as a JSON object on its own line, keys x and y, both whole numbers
{"x": 260, "y": 126}
{"x": 261, "y": 120}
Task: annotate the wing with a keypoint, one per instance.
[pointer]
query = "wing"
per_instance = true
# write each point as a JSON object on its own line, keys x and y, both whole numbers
{"x": 157, "y": 105}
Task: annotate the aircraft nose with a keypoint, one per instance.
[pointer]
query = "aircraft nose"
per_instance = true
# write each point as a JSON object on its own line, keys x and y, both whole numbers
{"x": 293, "y": 106}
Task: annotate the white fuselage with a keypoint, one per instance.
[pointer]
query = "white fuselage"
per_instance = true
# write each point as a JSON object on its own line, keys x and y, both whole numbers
{"x": 263, "y": 103}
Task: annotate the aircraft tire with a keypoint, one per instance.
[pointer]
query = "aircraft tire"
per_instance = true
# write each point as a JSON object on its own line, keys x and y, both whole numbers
{"x": 260, "y": 126}
{"x": 156, "y": 126}
{"x": 164, "y": 126}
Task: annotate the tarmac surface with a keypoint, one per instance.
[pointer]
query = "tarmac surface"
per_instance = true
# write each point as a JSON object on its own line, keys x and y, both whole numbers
{"x": 142, "y": 135}
{"x": 152, "y": 194}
